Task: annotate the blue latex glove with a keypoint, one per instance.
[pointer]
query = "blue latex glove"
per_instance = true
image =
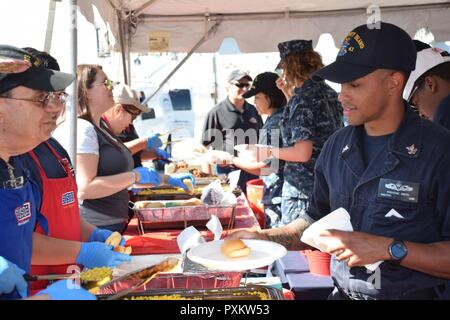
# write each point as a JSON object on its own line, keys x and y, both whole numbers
{"x": 98, "y": 254}
{"x": 148, "y": 175}
{"x": 101, "y": 235}
{"x": 176, "y": 180}
{"x": 67, "y": 290}
{"x": 154, "y": 142}
{"x": 11, "y": 278}
{"x": 162, "y": 154}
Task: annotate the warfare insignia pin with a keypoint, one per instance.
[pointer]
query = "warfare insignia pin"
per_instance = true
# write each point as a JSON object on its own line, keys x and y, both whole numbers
{"x": 412, "y": 149}
{"x": 345, "y": 148}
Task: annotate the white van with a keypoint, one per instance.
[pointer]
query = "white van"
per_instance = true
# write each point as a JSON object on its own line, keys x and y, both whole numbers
{"x": 170, "y": 111}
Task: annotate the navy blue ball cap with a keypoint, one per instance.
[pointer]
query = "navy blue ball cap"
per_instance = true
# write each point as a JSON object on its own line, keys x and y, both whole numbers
{"x": 288, "y": 47}
{"x": 265, "y": 83}
{"x": 365, "y": 50}
{"x": 36, "y": 77}
{"x": 292, "y": 46}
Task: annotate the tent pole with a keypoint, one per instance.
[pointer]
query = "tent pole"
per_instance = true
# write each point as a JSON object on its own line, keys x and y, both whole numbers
{"x": 144, "y": 6}
{"x": 215, "y": 78}
{"x": 122, "y": 45}
{"x": 128, "y": 58}
{"x": 212, "y": 30}
{"x": 293, "y": 14}
{"x": 50, "y": 23}
{"x": 72, "y": 90}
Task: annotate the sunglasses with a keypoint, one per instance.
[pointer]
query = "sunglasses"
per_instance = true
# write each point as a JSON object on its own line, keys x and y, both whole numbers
{"x": 109, "y": 84}
{"x": 44, "y": 100}
{"x": 132, "y": 110}
{"x": 242, "y": 85}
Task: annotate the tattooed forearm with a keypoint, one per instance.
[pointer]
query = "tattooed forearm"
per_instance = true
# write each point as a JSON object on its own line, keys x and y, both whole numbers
{"x": 289, "y": 235}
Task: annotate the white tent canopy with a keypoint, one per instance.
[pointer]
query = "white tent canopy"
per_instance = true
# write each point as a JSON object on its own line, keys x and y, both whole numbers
{"x": 257, "y": 25}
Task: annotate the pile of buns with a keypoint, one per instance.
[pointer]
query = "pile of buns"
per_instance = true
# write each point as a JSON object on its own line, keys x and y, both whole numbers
{"x": 234, "y": 248}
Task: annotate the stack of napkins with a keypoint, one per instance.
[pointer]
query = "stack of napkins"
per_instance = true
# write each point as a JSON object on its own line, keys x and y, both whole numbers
{"x": 339, "y": 219}
{"x": 191, "y": 237}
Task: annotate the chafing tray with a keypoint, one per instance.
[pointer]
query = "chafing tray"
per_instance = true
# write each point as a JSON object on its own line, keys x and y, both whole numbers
{"x": 186, "y": 280}
{"x": 183, "y": 216}
{"x": 172, "y": 193}
{"x": 237, "y": 293}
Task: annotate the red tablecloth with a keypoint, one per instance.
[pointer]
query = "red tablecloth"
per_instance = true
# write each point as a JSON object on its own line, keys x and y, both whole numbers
{"x": 165, "y": 241}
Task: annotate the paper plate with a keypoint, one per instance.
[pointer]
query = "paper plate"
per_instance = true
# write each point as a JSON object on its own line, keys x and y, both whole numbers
{"x": 262, "y": 254}
{"x": 248, "y": 154}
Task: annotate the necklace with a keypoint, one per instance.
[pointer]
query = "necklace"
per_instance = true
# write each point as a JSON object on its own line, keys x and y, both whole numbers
{"x": 13, "y": 182}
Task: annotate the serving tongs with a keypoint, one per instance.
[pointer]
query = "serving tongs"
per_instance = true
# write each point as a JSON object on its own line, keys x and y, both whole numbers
{"x": 50, "y": 277}
{"x": 142, "y": 277}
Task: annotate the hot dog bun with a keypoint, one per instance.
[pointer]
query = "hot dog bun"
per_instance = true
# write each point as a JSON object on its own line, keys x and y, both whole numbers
{"x": 114, "y": 239}
{"x": 234, "y": 248}
{"x": 188, "y": 183}
{"x": 124, "y": 250}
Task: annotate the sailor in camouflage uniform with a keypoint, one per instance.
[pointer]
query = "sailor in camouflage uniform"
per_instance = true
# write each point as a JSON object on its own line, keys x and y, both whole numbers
{"x": 312, "y": 114}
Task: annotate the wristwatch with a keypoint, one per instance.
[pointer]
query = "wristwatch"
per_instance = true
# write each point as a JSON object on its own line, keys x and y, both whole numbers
{"x": 398, "y": 251}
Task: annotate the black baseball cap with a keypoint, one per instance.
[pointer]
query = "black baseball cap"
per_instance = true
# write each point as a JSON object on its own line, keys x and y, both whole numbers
{"x": 36, "y": 77}
{"x": 265, "y": 83}
{"x": 366, "y": 49}
{"x": 421, "y": 45}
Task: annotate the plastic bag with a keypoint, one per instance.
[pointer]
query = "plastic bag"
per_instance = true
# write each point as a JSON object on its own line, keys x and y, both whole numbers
{"x": 214, "y": 195}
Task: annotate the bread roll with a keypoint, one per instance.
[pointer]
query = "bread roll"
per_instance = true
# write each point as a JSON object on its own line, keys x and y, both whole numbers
{"x": 234, "y": 248}
{"x": 114, "y": 239}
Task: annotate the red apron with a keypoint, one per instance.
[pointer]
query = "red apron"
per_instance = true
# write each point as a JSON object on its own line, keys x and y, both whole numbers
{"x": 60, "y": 207}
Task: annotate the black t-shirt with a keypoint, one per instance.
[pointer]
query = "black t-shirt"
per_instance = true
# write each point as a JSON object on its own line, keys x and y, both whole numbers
{"x": 233, "y": 127}
{"x": 372, "y": 145}
{"x": 130, "y": 134}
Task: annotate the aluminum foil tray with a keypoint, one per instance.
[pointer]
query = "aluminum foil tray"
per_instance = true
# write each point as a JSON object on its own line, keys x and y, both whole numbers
{"x": 182, "y": 217}
{"x": 171, "y": 193}
{"x": 231, "y": 293}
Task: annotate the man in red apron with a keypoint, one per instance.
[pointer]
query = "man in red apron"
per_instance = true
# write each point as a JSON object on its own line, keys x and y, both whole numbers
{"x": 24, "y": 99}
{"x": 60, "y": 204}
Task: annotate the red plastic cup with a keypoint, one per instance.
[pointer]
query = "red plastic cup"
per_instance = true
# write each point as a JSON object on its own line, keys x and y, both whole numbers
{"x": 255, "y": 190}
{"x": 319, "y": 262}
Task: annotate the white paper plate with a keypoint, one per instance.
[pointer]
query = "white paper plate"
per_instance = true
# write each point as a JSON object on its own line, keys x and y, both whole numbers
{"x": 246, "y": 154}
{"x": 262, "y": 254}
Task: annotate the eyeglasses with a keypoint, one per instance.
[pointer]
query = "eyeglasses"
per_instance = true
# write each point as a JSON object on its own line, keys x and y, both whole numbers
{"x": 44, "y": 101}
{"x": 242, "y": 85}
{"x": 109, "y": 84}
{"x": 416, "y": 88}
{"x": 132, "y": 110}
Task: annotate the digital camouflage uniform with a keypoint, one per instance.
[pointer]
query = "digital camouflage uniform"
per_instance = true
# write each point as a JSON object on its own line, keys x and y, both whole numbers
{"x": 270, "y": 134}
{"x": 313, "y": 113}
